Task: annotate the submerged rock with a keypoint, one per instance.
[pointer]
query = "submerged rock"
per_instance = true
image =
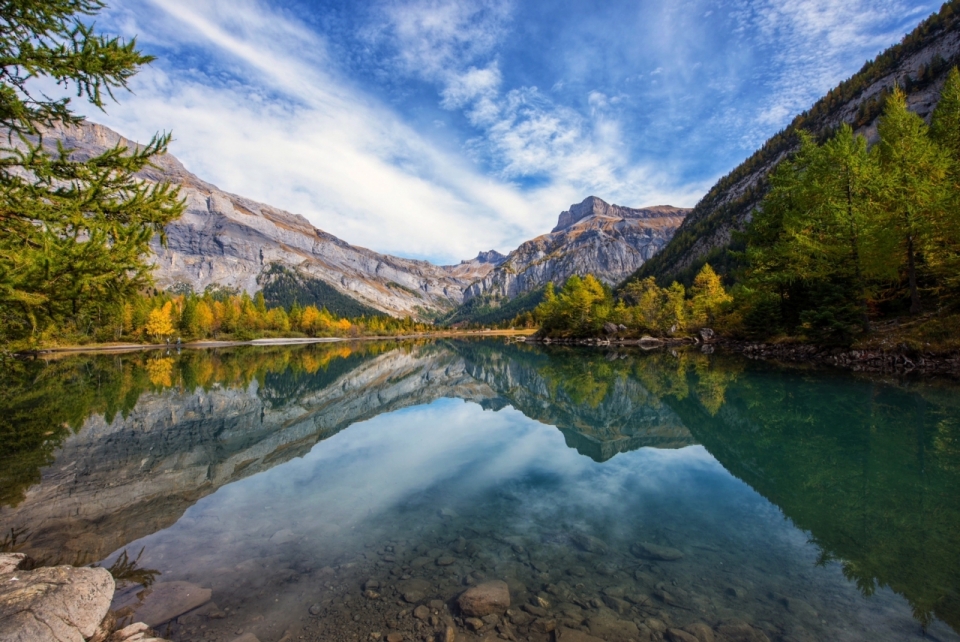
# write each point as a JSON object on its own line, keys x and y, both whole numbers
{"x": 61, "y": 603}
{"x": 589, "y": 543}
{"x": 650, "y": 551}
{"x": 564, "y": 634}
{"x": 485, "y": 599}
{"x": 739, "y": 631}
{"x": 167, "y": 600}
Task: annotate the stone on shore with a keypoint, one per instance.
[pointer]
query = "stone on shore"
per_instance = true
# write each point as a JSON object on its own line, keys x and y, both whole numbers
{"x": 59, "y": 603}
{"x": 484, "y": 599}
{"x": 10, "y": 562}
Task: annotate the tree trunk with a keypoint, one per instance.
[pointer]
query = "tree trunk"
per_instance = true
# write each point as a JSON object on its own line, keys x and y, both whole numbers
{"x": 912, "y": 276}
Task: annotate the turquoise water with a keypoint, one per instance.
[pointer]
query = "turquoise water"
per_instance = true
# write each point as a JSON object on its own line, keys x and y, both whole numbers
{"x": 326, "y": 492}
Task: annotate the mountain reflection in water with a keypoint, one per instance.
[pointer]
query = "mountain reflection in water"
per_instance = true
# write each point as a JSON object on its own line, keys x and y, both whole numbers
{"x": 100, "y": 451}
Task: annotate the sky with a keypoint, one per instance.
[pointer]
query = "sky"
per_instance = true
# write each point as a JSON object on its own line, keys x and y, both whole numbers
{"x": 435, "y": 129}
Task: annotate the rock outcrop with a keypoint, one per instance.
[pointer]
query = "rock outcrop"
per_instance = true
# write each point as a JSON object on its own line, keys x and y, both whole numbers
{"x": 61, "y": 604}
{"x": 608, "y": 241}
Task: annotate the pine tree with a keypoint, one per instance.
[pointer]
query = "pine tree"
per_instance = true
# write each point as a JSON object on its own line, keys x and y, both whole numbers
{"x": 73, "y": 234}
{"x": 913, "y": 188}
{"x": 944, "y": 256}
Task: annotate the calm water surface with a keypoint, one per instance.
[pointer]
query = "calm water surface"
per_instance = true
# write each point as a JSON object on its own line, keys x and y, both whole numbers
{"x": 326, "y": 492}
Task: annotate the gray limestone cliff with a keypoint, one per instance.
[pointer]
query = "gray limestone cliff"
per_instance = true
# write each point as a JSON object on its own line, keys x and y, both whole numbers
{"x": 595, "y": 237}
{"x": 228, "y": 240}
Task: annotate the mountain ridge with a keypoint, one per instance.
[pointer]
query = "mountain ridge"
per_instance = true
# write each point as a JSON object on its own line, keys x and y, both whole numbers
{"x": 229, "y": 241}
{"x": 606, "y": 240}
{"x": 918, "y": 64}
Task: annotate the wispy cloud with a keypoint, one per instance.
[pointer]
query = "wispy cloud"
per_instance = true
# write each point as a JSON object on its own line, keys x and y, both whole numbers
{"x": 808, "y": 46}
{"x": 278, "y": 125}
{"x": 426, "y": 127}
{"x": 523, "y": 134}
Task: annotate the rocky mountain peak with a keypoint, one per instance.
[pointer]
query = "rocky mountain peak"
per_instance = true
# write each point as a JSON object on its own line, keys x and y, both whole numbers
{"x": 593, "y": 206}
{"x": 492, "y": 256}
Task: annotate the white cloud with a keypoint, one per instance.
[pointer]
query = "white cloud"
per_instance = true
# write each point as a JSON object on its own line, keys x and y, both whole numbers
{"x": 809, "y": 44}
{"x": 293, "y": 134}
{"x": 522, "y": 133}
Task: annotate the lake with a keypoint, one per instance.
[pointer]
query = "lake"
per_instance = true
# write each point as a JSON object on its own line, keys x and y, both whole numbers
{"x": 353, "y": 491}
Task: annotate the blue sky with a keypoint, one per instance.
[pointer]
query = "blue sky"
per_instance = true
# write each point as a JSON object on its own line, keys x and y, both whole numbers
{"x": 435, "y": 129}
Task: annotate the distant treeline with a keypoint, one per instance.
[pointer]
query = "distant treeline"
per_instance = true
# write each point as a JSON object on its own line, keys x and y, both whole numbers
{"x": 217, "y": 314}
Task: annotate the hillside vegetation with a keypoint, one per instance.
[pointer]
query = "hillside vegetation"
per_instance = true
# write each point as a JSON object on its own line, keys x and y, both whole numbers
{"x": 846, "y": 236}
{"x": 707, "y": 235}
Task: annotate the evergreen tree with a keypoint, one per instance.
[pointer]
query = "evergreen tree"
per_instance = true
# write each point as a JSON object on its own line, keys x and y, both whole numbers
{"x": 944, "y": 256}
{"x": 73, "y": 233}
{"x": 912, "y": 192}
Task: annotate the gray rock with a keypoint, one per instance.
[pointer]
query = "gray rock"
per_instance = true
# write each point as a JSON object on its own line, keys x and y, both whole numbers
{"x": 228, "y": 240}
{"x": 706, "y": 334}
{"x": 650, "y": 551}
{"x": 610, "y": 328}
{"x": 608, "y": 241}
{"x": 564, "y": 634}
{"x": 484, "y": 599}
{"x": 740, "y": 631}
{"x": 62, "y": 603}
{"x": 589, "y": 543}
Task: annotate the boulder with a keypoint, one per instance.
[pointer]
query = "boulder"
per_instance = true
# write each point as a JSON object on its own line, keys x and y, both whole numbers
{"x": 59, "y": 603}
{"x": 484, "y": 599}
{"x": 706, "y": 334}
{"x": 610, "y": 328}
{"x": 10, "y": 562}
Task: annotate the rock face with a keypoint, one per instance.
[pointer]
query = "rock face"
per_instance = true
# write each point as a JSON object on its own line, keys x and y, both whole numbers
{"x": 608, "y": 241}
{"x": 727, "y": 207}
{"x": 62, "y": 603}
{"x": 228, "y": 240}
{"x": 485, "y": 599}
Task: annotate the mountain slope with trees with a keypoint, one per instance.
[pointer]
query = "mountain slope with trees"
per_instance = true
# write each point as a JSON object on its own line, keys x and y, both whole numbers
{"x": 918, "y": 65}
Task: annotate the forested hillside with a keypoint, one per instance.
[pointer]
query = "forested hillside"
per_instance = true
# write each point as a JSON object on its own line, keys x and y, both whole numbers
{"x": 918, "y": 65}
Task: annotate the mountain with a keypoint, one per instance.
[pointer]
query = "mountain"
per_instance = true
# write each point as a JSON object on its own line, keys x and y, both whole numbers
{"x": 234, "y": 242}
{"x": 229, "y": 241}
{"x": 918, "y": 64}
{"x": 608, "y": 241}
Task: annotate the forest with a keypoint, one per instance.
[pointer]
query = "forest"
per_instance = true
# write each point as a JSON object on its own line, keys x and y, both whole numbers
{"x": 849, "y": 235}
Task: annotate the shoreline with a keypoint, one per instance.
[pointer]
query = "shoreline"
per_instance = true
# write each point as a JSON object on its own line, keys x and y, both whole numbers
{"x": 865, "y": 360}
{"x": 121, "y": 348}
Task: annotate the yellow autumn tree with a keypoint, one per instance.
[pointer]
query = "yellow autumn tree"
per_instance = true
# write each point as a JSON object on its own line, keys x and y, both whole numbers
{"x": 708, "y": 297}
{"x": 160, "y": 321}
